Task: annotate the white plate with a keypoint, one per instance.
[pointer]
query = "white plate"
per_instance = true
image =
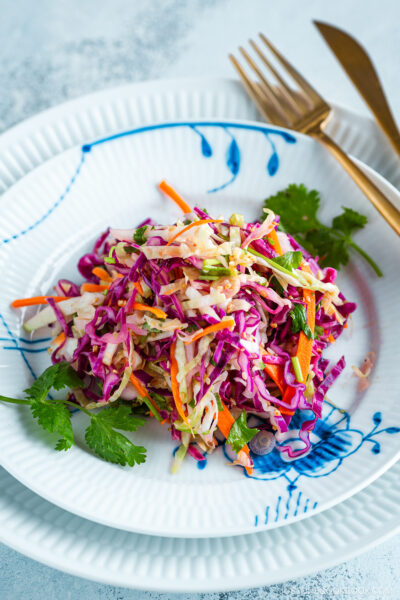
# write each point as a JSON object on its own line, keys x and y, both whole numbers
{"x": 52, "y": 216}
{"x": 64, "y": 541}
{"x": 50, "y": 535}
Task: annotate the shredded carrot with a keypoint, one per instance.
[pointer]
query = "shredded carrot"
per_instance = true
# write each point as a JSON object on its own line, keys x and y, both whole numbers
{"x": 345, "y": 326}
{"x": 102, "y": 274}
{"x": 153, "y": 309}
{"x": 194, "y": 224}
{"x": 142, "y": 390}
{"x": 164, "y": 421}
{"x": 175, "y": 385}
{"x": 304, "y": 347}
{"x": 94, "y": 287}
{"x": 211, "y": 329}
{"x": 169, "y": 191}
{"x": 286, "y": 411}
{"x": 37, "y": 300}
{"x": 138, "y": 287}
{"x": 277, "y": 247}
{"x": 225, "y": 422}
{"x": 331, "y": 339}
{"x": 59, "y": 339}
{"x": 276, "y": 374}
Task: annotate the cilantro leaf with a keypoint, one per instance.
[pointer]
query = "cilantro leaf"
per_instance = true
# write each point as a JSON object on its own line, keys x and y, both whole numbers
{"x": 112, "y": 445}
{"x": 150, "y": 329}
{"x": 298, "y": 207}
{"x": 332, "y": 251}
{"x": 121, "y": 417}
{"x": 138, "y": 236}
{"x": 318, "y": 331}
{"x": 57, "y": 376}
{"x": 55, "y": 418}
{"x": 131, "y": 250}
{"x": 276, "y": 286}
{"x": 349, "y": 221}
{"x": 289, "y": 260}
{"x": 299, "y": 320}
{"x": 101, "y": 435}
{"x": 240, "y": 434}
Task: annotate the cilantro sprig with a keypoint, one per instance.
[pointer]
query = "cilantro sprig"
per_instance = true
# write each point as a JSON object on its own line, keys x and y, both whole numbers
{"x": 101, "y": 435}
{"x": 299, "y": 320}
{"x": 240, "y": 434}
{"x": 138, "y": 236}
{"x": 297, "y": 207}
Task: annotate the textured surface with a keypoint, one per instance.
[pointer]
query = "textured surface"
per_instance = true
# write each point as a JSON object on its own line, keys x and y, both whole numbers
{"x": 55, "y": 51}
{"x": 372, "y": 576}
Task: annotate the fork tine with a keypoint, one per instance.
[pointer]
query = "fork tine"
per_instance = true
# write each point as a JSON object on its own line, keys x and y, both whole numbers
{"x": 266, "y": 87}
{"x": 285, "y": 90}
{"x": 304, "y": 85}
{"x": 253, "y": 90}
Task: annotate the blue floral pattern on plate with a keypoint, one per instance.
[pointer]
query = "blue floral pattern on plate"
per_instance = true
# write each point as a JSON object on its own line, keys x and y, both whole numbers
{"x": 333, "y": 440}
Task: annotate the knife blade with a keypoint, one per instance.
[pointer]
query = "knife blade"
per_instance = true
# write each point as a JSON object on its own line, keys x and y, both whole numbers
{"x": 358, "y": 66}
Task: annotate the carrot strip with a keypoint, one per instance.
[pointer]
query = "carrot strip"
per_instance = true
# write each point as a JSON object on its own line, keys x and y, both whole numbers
{"x": 304, "y": 347}
{"x": 276, "y": 374}
{"x": 59, "y": 339}
{"x": 286, "y": 411}
{"x": 138, "y": 287}
{"x": 194, "y": 224}
{"x": 36, "y": 300}
{"x": 331, "y": 339}
{"x": 169, "y": 191}
{"x": 102, "y": 274}
{"x": 153, "y": 309}
{"x": 142, "y": 390}
{"x": 94, "y": 287}
{"x": 225, "y": 422}
{"x": 175, "y": 385}
{"x": 277, "y": 246}
{"x": 211, "y": 329}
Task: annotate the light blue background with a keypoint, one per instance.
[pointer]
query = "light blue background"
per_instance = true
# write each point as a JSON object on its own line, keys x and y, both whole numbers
{"x": 54, "y": 50}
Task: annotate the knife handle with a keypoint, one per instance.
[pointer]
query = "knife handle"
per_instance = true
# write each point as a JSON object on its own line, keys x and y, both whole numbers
{"x": 372, "y": 192}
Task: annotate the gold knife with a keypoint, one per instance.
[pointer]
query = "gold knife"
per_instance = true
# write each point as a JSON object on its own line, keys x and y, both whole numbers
{"x": 361, "y": 71}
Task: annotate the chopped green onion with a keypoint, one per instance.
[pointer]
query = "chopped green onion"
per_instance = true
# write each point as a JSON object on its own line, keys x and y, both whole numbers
{"x": 152, "y": 409}
{"x": 237, "y": 220}
{"x": 208, "y": 262}
{"x": 109, "y": 259}
{"x": 297, "y": 369}
{"x": 211, "y": 270}
{"x": 219, "y": 403}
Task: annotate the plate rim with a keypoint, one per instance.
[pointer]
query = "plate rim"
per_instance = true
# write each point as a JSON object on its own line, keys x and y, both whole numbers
{"x": 379, "y": 536}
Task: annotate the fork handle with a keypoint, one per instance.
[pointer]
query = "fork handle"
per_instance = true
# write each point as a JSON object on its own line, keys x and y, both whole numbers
{"x": 373, "y": 193}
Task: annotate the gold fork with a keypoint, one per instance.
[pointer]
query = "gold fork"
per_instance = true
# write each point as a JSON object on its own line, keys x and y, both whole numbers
{"x": 304, "y": 111}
